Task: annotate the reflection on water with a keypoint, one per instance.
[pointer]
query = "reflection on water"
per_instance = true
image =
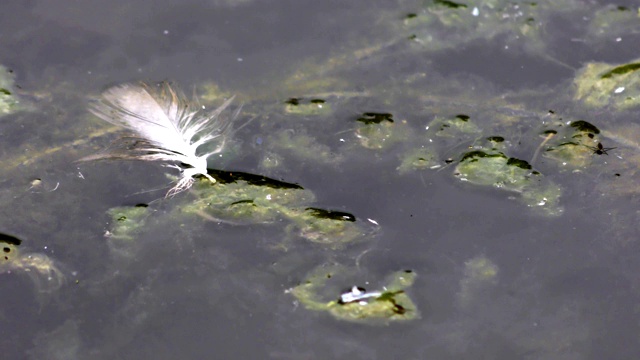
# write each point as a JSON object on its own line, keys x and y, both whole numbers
{"x": 486, "y": 147}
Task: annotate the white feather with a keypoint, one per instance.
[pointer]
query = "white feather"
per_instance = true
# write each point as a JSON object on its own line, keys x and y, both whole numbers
{"x": 166, "y": 127}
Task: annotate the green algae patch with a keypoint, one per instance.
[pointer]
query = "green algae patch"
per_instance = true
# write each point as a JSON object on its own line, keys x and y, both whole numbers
{"x": 127, "y": 224}
{"x": 573, "y": 146}
{"x": 378, "y": 131}
{"x": 491, "y": 168}
{"x": 443, "y": 132}
{"x": 601, "y": 85}
{"x": 332, "y": 229}
{"x": 417, "y": 159}
{"x": 329, "y": 288}
{"x": 9, "y": 102}
{"x": 127, "y": 221}
{"x": 42, "y": 270}
{"x": 457, "y": 126}
{"x": 241, "y": 198}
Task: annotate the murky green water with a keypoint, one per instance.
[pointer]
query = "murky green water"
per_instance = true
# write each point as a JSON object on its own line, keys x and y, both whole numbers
{"x": 416, "y": 179}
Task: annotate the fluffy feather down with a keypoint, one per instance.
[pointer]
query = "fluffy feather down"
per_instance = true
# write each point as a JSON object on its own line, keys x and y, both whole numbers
{"x": 165, "y": 126}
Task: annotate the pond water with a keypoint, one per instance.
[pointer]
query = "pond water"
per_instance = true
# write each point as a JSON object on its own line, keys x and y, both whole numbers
{"x": 408, "y": 179}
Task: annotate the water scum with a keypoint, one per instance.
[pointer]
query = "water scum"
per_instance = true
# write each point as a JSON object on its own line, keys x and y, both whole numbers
{"x": 166, "y": 127}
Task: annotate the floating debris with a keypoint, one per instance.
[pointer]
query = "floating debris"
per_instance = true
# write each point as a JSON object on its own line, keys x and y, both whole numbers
{"x": 166, "y": 126}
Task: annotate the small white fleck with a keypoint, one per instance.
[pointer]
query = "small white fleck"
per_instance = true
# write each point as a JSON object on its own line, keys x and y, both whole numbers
{"x": 618, "y": 39}
{"x": 475, "y": 11}
{"x": 341, "y": 140}
{"x": 373, "y": 221}
{"x": 166, "y": 32}
{"x": 269, "y": 197}
{"x": 619, "y": 90}
{"x": 239, "y": 59}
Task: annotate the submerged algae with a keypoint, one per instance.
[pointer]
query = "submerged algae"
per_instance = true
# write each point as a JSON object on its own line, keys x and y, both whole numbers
{"x": 442, "y": 25}
{"x": 610, "y": 23}
{"x": 380, "y": 132}
{"x": 43, "y": 271}
{"x": 480, "y": 274}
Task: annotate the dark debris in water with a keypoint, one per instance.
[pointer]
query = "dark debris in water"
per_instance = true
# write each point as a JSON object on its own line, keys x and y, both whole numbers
{"x": 8, "y": 240}
{"x": 450, "y": 4}
{"x": 228, "y": 177}
{"x": 11, "y": 240}
{"x": 473, "y": 155}
{"x": 375, "y": 118}
{"x": 584, "y": 126}
{"x": 293, "y": 101}
{"x": 519, "y": 163}
{"x": 296, "y": 101}
{"x": 621, "y": 70}
{"x": 331, "y": 214}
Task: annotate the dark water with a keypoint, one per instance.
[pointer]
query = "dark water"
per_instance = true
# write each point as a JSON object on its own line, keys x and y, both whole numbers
{"x": 566, "y": 286}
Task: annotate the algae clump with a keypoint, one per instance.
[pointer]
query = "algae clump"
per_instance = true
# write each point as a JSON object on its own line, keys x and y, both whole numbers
{"x": 320, "y": 291}
{"x": 602, "y": 85}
